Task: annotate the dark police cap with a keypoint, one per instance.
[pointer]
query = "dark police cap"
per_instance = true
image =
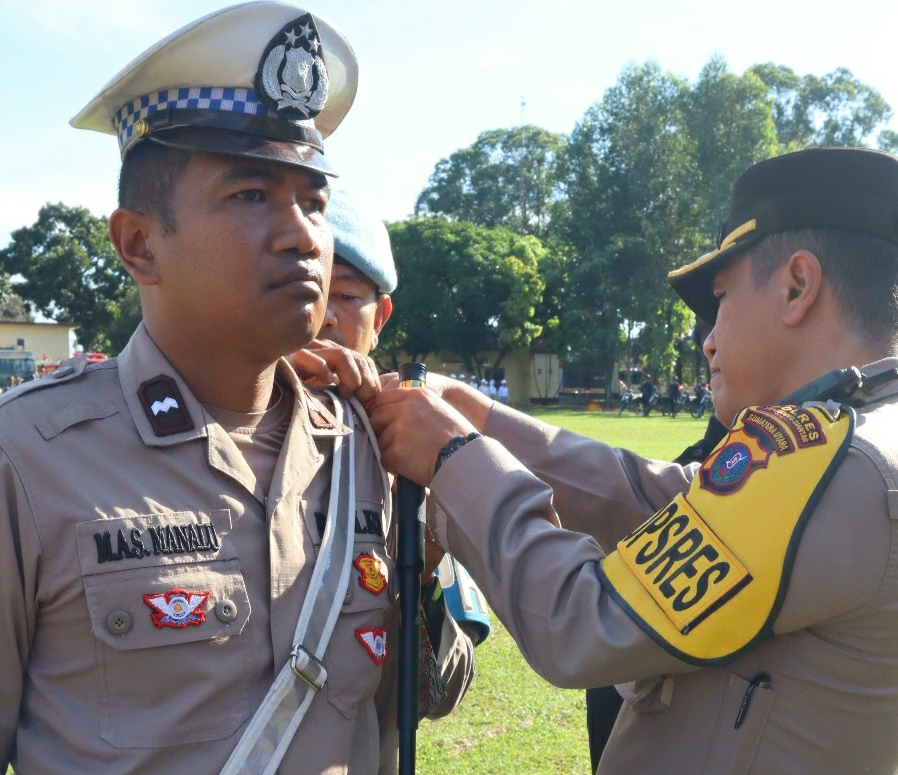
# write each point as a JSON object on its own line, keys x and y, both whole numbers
{"x": 265, "y": 79}
{"x": 847, "y": 189}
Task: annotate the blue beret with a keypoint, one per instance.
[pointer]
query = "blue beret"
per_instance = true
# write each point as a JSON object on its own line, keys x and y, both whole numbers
{"x": 361, "y": 239}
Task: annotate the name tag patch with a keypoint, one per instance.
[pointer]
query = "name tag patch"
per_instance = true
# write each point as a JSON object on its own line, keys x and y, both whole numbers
{"x": 171, "y": 538}
{"x": 367, "y": 522}
{"x": 682, "y": 564}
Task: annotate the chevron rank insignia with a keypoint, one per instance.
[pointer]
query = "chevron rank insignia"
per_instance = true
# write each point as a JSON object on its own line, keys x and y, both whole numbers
{"x": 164, "y": 406}
{"x": 371, "y": 575}
{"x": 177, "y": 608}
{"x": 374, "y": 639}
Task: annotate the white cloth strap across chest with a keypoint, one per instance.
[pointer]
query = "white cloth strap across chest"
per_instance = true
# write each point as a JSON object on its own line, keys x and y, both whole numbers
{"x": 271, "y": 729}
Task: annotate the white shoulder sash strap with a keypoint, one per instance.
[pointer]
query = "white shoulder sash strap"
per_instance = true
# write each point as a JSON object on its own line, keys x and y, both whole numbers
{"x": 271, "y": 729}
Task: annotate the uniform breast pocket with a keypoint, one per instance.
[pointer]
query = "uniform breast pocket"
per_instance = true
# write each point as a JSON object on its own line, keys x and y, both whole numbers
{"x": 364, "y": 632}
{"x": 168, "y": 604}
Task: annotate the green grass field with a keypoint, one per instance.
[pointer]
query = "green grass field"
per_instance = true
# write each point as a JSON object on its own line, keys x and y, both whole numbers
{"x": 511, "y": 720}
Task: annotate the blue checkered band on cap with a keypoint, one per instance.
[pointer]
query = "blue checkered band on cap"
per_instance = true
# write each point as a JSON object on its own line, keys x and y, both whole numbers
{"x": 223, "y": 99}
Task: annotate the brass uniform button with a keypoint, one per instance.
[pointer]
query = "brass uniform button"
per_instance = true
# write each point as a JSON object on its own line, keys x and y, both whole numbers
{"x": 141, "y": 127}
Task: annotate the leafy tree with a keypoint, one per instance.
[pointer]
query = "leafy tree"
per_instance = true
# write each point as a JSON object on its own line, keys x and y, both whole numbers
{"x": 508, "y": 177}
{"x": 730, "y": 120}
{"x": 631, "y": 179}
{"x": 463, "y": 288}
{"x": 12, "y": 306}
{"x": 835, "y": 109}
{"x": 71, "y": 272}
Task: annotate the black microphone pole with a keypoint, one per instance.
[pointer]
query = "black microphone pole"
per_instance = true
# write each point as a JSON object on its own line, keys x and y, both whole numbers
{"x": 410, "y": 563}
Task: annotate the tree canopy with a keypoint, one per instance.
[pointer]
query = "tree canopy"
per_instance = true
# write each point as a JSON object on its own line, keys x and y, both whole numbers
{"x": 639, "y": 187}
{"x": 527, "y": 234}
{"x": 508, "y": 177}
{"x": 463, "y": 288}
{"x": 70, "y": 272}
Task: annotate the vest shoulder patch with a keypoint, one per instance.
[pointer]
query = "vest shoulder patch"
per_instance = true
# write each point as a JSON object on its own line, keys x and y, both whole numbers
{"x": 706, "y": 575}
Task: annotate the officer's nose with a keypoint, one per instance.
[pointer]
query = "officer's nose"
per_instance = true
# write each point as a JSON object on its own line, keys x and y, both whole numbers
{"x": 298, "y": 232}
{"x": 708, "y": 346}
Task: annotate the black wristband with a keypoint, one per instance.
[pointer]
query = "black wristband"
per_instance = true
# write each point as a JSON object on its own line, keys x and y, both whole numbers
{"x": 452, "y": 447}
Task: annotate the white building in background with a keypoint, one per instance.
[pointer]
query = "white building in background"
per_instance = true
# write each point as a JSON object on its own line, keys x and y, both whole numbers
{"x": 531, "y": 376}
{"x": 52, "y": 340}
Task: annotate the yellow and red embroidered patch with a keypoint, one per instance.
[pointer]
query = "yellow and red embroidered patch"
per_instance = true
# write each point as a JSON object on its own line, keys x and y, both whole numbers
{"x": 371, "y": 573}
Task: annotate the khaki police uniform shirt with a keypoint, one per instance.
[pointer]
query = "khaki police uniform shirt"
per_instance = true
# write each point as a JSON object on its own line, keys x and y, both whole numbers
{"x": 831, "y": 707}
{"x": 97, "y": 512}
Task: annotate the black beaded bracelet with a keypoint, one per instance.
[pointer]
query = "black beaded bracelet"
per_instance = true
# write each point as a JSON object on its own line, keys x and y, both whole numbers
{"x": 452, "y": 447}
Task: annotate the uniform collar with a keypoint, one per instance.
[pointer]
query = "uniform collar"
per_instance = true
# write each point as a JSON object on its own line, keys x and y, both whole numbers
{"x": 142, "y": 363}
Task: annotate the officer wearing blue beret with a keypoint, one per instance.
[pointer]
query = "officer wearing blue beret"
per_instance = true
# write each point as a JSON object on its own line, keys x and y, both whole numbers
{"x": 359, "y": 305}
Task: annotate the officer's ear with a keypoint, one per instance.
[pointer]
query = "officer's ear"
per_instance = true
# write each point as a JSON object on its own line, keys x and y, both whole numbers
{"x": 802, "y": 279}
{"x": 383, "y": 311}
{"x": 130, "y": 232}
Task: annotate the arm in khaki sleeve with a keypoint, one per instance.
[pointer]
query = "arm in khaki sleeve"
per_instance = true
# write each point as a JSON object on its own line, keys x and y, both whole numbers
{"x": 17, "y": 615}
{"x": 842, "y": 563}
{"x": 541, "y": 581}
{"x": 385, "y": 696}
{"x": 597, "y": 489}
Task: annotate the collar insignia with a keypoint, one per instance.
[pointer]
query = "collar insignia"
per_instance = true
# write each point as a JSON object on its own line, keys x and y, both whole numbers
{"x": 374, "y": 639}
{"x": 371, "y": 573}
{"x": 164, "y": 406}
{"x": 177, "y": 608}
{"x": 292, "y": 78}
{"x": 317, "y": 414}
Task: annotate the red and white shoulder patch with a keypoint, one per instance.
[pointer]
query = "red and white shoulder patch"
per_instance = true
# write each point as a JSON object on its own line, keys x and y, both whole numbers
{"x": 374, "y": 639}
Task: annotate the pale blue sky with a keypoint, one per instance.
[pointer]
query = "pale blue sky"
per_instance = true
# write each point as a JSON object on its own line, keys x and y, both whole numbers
{"x": 434, "y": 74}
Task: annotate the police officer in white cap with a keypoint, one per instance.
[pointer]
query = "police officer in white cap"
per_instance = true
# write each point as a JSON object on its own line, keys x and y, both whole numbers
{"x": 162, "y": 512}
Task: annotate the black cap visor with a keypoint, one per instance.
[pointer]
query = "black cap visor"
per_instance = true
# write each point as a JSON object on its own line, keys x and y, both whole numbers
{"x": 241, "y": 144}
{"x": 693, "y": 283}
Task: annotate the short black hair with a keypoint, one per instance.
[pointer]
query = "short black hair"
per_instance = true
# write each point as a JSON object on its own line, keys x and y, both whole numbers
{"x": 860, "y": 269}
{"x": 147, "y": 178}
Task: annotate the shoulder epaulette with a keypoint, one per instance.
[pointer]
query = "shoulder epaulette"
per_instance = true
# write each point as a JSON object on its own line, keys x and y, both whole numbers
{"x": 67, "y": 371}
